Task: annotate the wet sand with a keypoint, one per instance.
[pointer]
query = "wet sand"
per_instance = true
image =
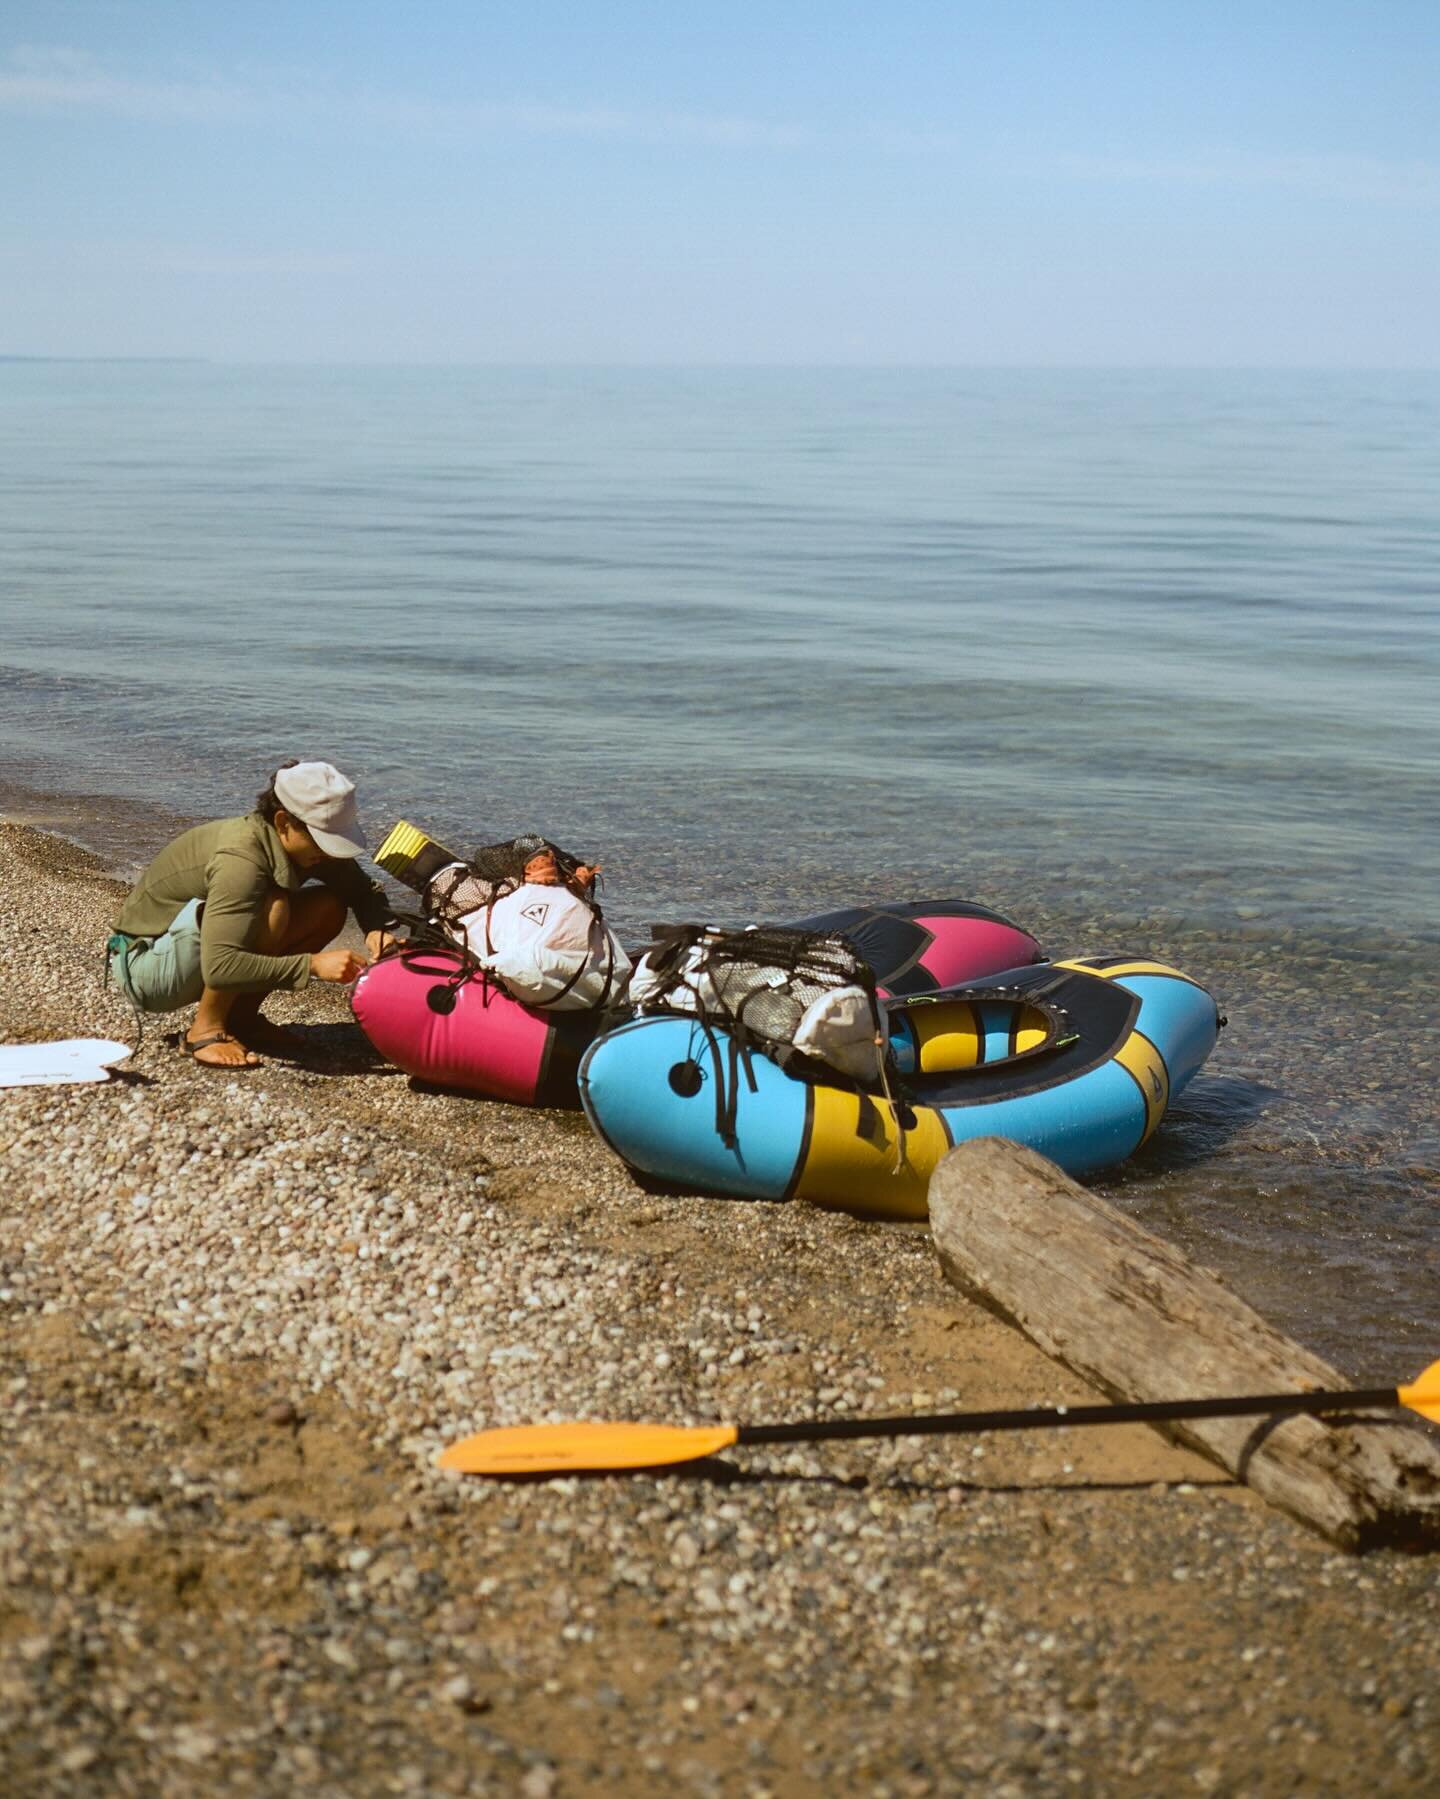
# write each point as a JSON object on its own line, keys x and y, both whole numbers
{"x": 241, "y": 1312}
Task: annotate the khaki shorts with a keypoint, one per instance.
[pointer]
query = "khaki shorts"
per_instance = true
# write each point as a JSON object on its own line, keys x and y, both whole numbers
{"x": 161, "y": 974}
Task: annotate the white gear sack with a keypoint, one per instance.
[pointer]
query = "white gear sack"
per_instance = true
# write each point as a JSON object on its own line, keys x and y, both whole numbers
{"x": 839, "y": 1030}
{"x": 59, "y": 1064}
{"x": 546, "y": 947}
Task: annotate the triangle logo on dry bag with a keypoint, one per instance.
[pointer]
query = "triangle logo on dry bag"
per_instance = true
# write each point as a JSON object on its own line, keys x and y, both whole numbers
{"x": 538, "y": 912}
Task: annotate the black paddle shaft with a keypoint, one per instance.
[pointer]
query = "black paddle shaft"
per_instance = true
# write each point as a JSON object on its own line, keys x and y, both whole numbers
{"x": 934, "y": 1424}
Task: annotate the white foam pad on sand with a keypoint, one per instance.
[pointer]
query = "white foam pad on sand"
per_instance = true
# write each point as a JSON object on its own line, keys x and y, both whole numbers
{"x": 59, "y": 1064}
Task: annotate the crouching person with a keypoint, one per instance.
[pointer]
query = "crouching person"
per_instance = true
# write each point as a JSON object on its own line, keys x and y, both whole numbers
{"x": 227, "y": 914}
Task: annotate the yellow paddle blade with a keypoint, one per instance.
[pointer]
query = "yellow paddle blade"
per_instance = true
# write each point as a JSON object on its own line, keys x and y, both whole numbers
{"x": 583, "y": 1448}
{"x": 1423, "y": 1394}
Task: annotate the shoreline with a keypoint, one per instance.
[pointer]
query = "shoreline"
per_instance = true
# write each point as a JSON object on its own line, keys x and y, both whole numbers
{"x": 241, "y": 1312}
{"x": 120, "y": 833}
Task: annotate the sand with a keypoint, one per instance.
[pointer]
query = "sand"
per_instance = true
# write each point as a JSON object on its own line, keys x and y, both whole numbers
{"x": 240, "y": 1313}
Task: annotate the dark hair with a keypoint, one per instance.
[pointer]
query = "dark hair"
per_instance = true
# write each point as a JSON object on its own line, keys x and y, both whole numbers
{"x": 268, "y": 803}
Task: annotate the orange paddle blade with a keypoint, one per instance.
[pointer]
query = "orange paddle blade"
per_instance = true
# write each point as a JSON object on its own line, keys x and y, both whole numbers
{"x": 583, "y": 1448}
{"x": 1423, "y": 1394}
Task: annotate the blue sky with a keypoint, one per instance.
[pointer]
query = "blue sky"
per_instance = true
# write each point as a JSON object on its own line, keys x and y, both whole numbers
{"x": 1051, "y": 182}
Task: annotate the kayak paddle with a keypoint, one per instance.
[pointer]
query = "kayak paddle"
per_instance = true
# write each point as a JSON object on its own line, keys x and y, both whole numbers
{"x": 597, "y": 1448}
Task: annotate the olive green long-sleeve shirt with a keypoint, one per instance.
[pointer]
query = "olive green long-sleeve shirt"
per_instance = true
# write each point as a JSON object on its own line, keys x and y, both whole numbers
{"x": 233, "y": 864}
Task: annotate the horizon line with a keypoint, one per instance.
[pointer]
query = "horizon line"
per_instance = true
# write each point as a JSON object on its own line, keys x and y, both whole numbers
{"x": 163, "y": 358}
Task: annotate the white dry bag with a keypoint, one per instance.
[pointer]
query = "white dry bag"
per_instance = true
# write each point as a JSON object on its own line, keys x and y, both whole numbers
{"x": 547, "y": 947}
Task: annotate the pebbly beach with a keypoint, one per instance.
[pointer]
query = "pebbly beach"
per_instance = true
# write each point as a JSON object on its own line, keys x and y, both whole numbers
{"x": 243, "y": 1312}
{"x": 718, "y": 929}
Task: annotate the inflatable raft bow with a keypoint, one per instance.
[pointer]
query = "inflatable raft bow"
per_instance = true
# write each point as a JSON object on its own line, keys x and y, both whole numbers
{"x": 1077, "y": 1059}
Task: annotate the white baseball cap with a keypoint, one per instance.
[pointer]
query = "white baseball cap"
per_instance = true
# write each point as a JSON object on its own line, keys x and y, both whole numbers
{"x": 324, "y": 801}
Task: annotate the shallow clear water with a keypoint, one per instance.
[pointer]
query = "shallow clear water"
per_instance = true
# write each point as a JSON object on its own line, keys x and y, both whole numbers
{"x": 1146, "y": 660}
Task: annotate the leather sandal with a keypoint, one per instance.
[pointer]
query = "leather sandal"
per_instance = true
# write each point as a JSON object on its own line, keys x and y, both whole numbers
{"x": 189, "y": 1045}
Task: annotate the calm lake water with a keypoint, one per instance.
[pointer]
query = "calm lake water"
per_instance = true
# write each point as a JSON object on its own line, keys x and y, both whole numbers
{"x": 1149, "y": 661}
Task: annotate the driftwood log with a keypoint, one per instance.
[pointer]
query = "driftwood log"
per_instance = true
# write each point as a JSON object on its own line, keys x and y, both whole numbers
{"x": 1137, "y": 1319}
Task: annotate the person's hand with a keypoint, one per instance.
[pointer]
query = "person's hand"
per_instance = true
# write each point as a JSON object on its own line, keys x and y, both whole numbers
{"x": 339, "y": 965}
{"x": 377, "y": 942}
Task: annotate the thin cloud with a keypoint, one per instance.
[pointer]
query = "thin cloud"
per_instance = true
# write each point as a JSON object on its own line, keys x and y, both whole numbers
{"x": 57, "y": 80}
{"x": 235, "y": 263}
{"x": 1340, "y": 177}
{"x": 114, "y": 260}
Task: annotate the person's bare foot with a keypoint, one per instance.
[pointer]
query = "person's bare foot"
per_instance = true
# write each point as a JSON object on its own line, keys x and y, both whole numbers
{"x": 218, "y": 1049}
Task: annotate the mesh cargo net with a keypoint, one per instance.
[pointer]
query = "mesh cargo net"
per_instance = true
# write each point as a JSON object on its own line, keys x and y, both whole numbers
{"x": 758, "y": 983}
{"x": 452, "y": 889}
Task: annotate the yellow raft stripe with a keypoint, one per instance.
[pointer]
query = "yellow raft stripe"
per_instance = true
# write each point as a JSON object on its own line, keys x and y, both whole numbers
{"x": 946, "y": 1036}
{"x": 1138, "y": 1056}
{"x": 1030, "y": 1037}
{"x": 1116, "y": 970}
{"x": 857, "y": 1173}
